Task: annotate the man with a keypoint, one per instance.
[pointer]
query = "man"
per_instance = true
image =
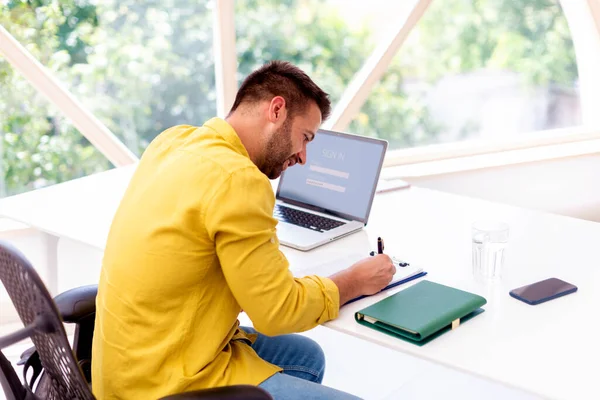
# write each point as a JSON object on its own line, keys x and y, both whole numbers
{"x": 194, "y": 243}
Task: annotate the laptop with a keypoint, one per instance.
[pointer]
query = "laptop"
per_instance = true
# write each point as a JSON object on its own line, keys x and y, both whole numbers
{"x": 331, "y": 195}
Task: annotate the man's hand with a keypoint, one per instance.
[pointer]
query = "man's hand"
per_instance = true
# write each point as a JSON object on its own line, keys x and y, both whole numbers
{"x": 374, "y": 273}
{"x": 365, "y": 277}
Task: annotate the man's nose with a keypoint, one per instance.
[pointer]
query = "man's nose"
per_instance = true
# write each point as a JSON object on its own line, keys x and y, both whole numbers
{"x": 302, "y": 156}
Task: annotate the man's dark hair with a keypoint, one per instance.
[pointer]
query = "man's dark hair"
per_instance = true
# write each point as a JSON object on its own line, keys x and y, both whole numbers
{"x": 281, "y": 78}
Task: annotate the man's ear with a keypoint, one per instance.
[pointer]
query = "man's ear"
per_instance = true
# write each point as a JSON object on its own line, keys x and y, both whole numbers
{"x": 277, "y": 110}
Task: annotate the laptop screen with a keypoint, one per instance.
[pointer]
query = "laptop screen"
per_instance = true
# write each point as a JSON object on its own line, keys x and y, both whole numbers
{"x": 340, "y": 175}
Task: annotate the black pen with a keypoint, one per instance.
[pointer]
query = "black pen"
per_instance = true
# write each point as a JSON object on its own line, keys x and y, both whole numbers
{"x": 379, "y": 245}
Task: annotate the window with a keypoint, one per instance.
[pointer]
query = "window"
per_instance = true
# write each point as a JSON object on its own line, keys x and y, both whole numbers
{"x": 38, "y": 147}
{"x": 476, "y": 69}
{"x": 318, "y": 36}
{"x": 140, "y": 67}
{"x": 468, "y": 70}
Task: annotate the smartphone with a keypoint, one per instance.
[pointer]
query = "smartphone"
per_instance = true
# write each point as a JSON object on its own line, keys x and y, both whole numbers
{"x": 543, "y": 291}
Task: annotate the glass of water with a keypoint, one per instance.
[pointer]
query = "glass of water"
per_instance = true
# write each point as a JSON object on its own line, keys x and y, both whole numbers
{"x": 489, "y": 239}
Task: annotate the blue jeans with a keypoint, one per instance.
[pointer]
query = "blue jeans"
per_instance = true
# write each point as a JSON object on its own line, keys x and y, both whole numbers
{"x": 303, "y": 364}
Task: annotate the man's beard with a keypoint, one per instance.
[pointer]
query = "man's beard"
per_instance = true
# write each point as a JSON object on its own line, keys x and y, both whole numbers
{"x": 277, "y": 152}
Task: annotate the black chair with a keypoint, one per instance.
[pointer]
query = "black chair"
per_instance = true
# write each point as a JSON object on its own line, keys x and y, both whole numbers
{"x": 57, "y": 370}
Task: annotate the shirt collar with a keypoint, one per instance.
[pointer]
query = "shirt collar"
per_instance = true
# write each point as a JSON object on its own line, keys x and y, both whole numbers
{"x": 222, "y": 128}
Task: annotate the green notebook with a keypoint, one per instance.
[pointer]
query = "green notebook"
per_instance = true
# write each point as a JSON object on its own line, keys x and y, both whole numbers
{"x": 422, "y": 312}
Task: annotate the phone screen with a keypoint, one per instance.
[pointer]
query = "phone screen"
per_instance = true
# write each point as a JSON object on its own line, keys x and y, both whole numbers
{"x": 538, "y": 291}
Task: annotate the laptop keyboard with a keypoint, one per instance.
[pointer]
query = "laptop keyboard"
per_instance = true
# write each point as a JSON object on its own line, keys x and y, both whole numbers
{"x": 304, "y": 219}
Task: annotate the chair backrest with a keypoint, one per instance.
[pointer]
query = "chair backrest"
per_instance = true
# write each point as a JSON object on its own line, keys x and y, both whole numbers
{"x": 33, "y": 302}
{"x": 9, "y": 381}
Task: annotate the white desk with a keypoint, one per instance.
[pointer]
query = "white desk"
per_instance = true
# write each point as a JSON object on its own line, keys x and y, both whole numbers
{"x": 80, "y": 210}
{"x": 550, "y": 349}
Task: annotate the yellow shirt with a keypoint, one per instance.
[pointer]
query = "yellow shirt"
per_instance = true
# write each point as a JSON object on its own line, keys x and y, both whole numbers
{"x": 192, "y": 244}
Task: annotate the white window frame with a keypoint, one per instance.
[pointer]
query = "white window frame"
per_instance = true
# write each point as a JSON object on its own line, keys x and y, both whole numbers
{"x": 454, "y": 159}
{"x": 582, "y": 17}
{"x": 225, "y": 55}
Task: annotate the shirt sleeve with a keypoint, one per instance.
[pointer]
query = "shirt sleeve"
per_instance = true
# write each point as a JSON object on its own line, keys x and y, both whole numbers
{"x": 240, "y": 220}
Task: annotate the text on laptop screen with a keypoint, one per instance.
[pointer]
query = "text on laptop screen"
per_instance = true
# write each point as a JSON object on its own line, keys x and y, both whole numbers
{"x": 340, "y": 174}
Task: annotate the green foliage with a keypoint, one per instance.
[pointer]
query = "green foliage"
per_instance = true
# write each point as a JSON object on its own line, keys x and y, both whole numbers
{"x": 459, "y": 36}
{"x": 307, "y": 33}
{"x": 39, "y": 146}
{"x": 151, "y": 68}
{"x": 142, "y": 67}
{"x": 529, "y": 37}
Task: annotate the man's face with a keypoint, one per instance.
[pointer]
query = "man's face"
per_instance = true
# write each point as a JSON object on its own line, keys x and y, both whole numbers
{"x": 287, "y": 145}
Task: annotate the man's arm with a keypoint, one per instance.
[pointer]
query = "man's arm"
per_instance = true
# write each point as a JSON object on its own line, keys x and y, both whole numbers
{"x": 365, "y": 277}
{"x": 240, "y": 221}
{"x": 347, "y": 287}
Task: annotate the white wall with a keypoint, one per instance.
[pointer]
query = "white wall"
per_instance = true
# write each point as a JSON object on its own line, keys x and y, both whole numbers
{"x": 78, "y": 265}
{"x": 569, "y": 186}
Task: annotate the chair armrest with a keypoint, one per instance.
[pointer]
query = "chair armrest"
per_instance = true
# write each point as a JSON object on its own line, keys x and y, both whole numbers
{"x": 76, "y": 304}
{"x": 236, "y": 392}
